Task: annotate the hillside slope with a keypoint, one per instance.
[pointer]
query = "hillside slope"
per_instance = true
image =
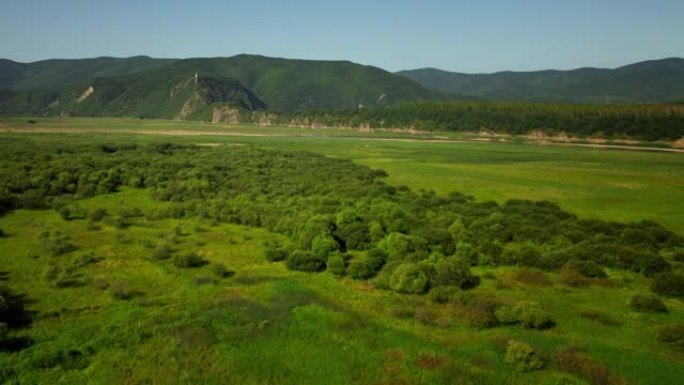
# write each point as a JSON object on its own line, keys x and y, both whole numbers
{"x": 656, "y": 81}
{"x": 55, "y": 74}
{"x": 281, "y": 85}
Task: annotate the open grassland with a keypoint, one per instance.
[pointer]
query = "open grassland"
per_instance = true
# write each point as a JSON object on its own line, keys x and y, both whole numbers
{"x": 127, "y": 317}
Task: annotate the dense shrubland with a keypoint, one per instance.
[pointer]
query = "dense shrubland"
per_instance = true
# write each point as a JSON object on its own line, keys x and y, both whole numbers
{"x": 337, "y": 215}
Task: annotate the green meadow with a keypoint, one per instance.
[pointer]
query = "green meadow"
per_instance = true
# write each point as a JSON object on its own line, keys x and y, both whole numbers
{"x": 110, "y": 310}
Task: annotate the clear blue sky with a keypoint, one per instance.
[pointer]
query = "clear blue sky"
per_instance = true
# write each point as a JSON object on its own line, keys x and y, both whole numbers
{"x": 466, "y": 36}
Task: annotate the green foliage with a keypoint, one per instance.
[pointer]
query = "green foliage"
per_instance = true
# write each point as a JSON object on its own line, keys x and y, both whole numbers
{"x": 449, "y": 271}
{"x": 409, "y": 278}
{"x": 647, "y": 303}
{"x": 323, "y": 245}
{"x": 586, "y": 268}
{"x": 523, "y": 357}
{"x": 360, "y": 269}
{"x": 57, "y": 244}
{"x": 188, "y": 260}
{"x": 525, "y": 313}
{"x": 302, "y": 260}
{"x": 642, "y": 122}
{"x": 221, "y": 271}
{"x": 337, "y": 264}
{"x": 162, "y": 252}
{"x": 672, "y": 335}
{"x": 669, "y": 284}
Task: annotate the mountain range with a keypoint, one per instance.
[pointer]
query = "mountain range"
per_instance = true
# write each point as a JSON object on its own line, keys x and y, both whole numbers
{"x": 197, "y": 88}
{"x": 656, "y": 81}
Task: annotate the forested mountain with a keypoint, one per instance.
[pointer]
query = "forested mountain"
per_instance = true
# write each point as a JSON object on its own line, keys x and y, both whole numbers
{"x": 657, "y": 81}
{"x": 143, "y": 86}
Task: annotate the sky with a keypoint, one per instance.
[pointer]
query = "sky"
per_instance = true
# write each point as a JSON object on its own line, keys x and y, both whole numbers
{"x": 476, "y": 36}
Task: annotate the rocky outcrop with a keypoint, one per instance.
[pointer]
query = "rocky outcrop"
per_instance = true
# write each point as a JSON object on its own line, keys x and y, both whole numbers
{"x": 226, "y": 114}
{"x": 84, "y": 95}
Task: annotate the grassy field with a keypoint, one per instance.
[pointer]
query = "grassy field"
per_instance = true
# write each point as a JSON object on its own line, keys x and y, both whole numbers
{"x": 135, "y": 318}
{"x": 126, "y": 317}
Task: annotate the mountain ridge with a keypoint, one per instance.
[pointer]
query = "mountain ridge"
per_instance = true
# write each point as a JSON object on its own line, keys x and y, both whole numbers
{"x": 651, "y": 81}
{"x": 283, "y": 85}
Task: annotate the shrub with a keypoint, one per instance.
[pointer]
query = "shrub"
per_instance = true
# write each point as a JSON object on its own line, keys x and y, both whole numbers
{"x": 122, "y": 291}
{"x": 647, "y": 303}
{"x": 2, "y": 232}
{"x": 533, "y": 277}
{"x": 568, "y": 275}
{"x": 58, "y": 244}
{"x": 525, "y": 313}
{"x": 275, "y": 253}
{"x": 162, "y": 252}
{"x": 524, "y": 357}
{"x": 97, "y": 215}
{"x": 589, "y": 269}
{"x": 221, "y": 271}
{"x": 477, "y": 310}
{"x": 409, "y": 278}
{"x": 337, "y": 264}
{"x": 301, "y": 260}
{"x": 672, "y": 335}
{"x": 668, "y": 284}
{"x": 323, "y": 245}
{"x": 650, "y": 264}
{"x": 444, "y": 294}
{"x": 678, "y": 255}
{"x": 451, "y": 271}
{"x": 376, "y": 258}
{"x": 188, "y": 260}
{"x": 574, "y": 361}
{"x": 65, "y": 213}
{"x": 360, "y": 269}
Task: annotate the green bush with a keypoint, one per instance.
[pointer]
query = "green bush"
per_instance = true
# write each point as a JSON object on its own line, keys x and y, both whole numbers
{"x": 647, "y": 303}
{"x": 162, "y": 252}
{"x": 323, "y": 245}
{"x": 360, "y": 269}
{"x": 525, "y": 313}
{"x": 523, "y": 357}
{"x": 678, "y": 255}
{"x": 337, "y": 264}
{"x": 376, "y": 258}
{"x": 409, "y": 278}
{"x": 221, "y": 271}
{"x": 451, "y": 271}
{"x": 302, "y": 260}
{"x": 97, "y": 214}
{"x": 188, "y": 260}
{"x": 2, "y": 232}
{"x": 668, "y": 284}
{"x": 276, "y": 254}
{"x": 587, "y": 268}
{"x": 672, "y": 335}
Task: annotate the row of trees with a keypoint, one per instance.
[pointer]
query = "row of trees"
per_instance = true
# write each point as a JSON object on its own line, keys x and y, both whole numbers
{"x": 336, "y": 214}
{"x": 643, "y": 122}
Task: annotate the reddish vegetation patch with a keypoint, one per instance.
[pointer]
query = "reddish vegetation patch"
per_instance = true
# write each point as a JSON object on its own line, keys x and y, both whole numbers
{"x": 533, "y": 277}
{"x": 430, "y": 361}
{"x": 573, "y": 360}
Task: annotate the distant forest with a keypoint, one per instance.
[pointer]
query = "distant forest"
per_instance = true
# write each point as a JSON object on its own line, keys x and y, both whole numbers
{"x": 641, "y": 122}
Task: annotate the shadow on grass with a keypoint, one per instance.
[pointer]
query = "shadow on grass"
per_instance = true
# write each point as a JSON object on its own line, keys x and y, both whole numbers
{"x": 13, "y": 315}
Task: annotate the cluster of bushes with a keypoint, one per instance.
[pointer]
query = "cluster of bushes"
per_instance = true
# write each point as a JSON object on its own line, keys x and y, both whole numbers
{"x": 336, "y": 215}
